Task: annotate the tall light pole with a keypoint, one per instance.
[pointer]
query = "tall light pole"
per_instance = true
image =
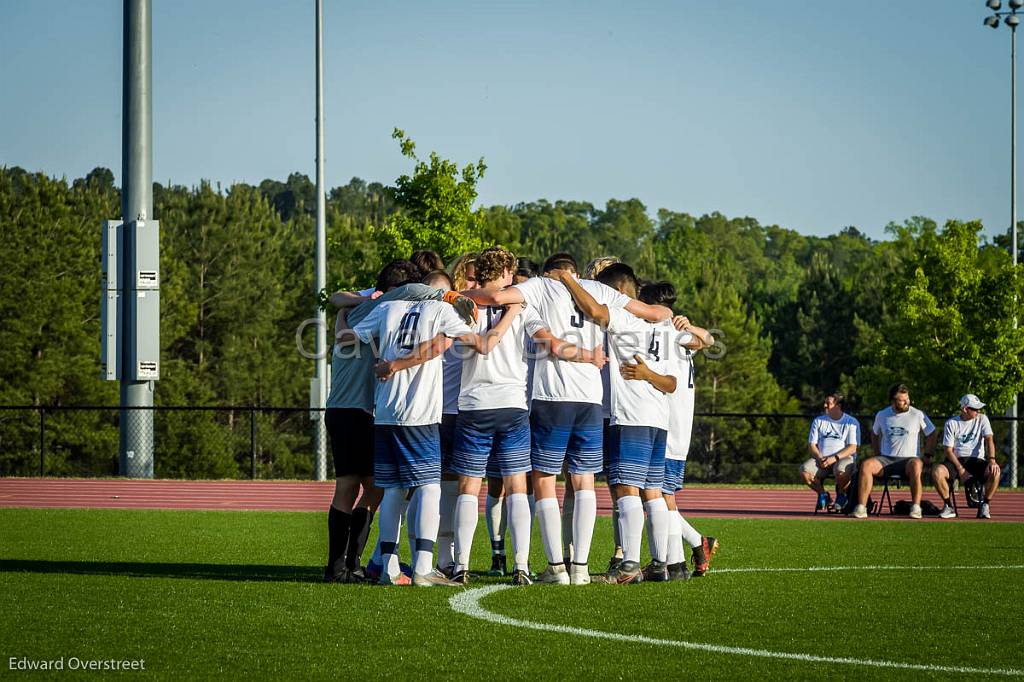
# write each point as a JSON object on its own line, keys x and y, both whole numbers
{"x": 1011, "y": 19}
{"x": 319, "y": 397}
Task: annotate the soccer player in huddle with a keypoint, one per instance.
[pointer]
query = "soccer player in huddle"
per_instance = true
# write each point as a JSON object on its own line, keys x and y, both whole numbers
{"x": 407, "y": 456}
{"x": 492, "y": 431}
{"x": 638, "y": 428}
{"x": 683, "y": 339}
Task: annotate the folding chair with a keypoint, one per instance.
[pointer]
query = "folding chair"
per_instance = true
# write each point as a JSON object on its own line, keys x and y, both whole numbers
{"x": 886, "y": 496}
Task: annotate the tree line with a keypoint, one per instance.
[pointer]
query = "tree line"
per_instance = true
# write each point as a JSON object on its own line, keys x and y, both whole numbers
{"x": 930, "y": 305}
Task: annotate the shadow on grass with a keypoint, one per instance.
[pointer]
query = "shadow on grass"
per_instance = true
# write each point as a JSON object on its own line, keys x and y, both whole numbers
{"x": 241, "y": 572}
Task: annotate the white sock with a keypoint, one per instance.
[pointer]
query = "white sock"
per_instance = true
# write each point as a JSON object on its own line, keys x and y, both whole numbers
{"x": 583, "y": 525}
{"x": 424, "y": 510}
{"x": 631, "y": 526}
{"x": 389, "y": 524}
{"x": 568, "y": 508}
{"x": 466, "y": 516}
{"x": 446, "y": 530}
{"x": 676, "y": 554}
{"x": 657, "y": 519}
{"x": 550, "y": 529}
{"x": 495, "y": 515}
{"x": 519, "y": 529}
{"x": 690, "y": 535}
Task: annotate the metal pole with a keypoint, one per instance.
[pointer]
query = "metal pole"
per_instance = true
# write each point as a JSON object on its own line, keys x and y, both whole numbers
{"x": 136, "y": 443}
{"x": 1013, "y": 228}
{"x": 252, "y": 443}
{"x": 320, "y": 441}
{"x": 42, "y": 441}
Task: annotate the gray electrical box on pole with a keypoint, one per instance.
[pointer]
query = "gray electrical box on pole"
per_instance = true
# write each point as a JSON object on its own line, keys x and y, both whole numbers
{"x": 130, "y": 349}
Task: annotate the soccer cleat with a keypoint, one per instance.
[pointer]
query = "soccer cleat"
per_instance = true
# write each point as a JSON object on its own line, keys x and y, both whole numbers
{"x": 947, "y": 511}
{"x": 521, "y": 578}
{"x": 499, "y": 566}
{"x": 400, "y": 579}
{"x": 983, "y": 512}
{"x": 656, "y": 572}
{"x": 342, "y": 576}
{"x": 460, "y": 577}
{"x": 678, "y": 571}
{"x": 433, "y": 579}
{"x": 554, "y": 574}
{"x": 822, "y": 502}
{"x": 915, "y": 511}
{"x": 614, "y": 562}
{"x": 372, "y": 572}
{"x": 840, "y": 502}
{"x": 625, "y": 573}
{"x": 859, "y": 512}
{"x": 701, "y": 556}
{"x": 465, "y": 307}
{"x": 579, "y": 575}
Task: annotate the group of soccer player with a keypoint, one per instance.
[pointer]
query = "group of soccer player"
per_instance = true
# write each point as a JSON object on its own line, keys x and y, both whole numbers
{"x": 490, "y": 369}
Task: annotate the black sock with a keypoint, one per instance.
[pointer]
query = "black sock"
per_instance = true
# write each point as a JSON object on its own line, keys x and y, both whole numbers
{"x": 338, "y": 525}
{"x": 362, "y": 518}
{"x": 946, "y": 502}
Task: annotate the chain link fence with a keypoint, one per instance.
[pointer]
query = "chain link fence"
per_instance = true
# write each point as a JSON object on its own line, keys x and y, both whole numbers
{"x": 280, "y": 443}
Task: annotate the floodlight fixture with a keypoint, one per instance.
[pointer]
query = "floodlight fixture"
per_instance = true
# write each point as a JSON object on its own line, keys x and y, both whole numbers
{"x": 994, "y": 5}
{"x": 992, "y": 22}
{"x": 1012, "y": 20}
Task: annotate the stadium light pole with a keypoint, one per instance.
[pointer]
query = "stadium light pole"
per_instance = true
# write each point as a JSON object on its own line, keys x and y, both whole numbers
{"x": 319, "y": 397}
{"x": 1011, "y": 20}
{"x": 136, "y": 438}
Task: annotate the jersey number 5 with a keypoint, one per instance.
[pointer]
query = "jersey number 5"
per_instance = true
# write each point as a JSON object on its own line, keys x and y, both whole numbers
{"x": 407, "y": 330}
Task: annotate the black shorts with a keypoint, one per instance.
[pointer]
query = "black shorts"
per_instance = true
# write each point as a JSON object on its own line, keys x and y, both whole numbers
{"x": 351, "y": 435}
{"x": 975, "y": 466}
{"x": 447, "y": 441}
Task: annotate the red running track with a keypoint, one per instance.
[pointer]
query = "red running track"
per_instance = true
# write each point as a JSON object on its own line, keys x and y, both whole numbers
{"x": 311, "y": 496}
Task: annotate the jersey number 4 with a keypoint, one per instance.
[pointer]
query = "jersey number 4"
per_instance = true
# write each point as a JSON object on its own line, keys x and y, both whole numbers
{"x": 407, "y": 330}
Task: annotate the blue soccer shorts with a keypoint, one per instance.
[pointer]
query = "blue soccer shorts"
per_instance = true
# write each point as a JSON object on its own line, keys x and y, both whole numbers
{"x": 406, "y": 456}
{"x": 501, "y": 435}
{"x": 566, "y": 432}
{"x": 674, "y": 471}
{"x": 636, "y": 456}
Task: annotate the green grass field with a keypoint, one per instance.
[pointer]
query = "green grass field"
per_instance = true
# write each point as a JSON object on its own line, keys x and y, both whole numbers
{"x": 204, "y": 594}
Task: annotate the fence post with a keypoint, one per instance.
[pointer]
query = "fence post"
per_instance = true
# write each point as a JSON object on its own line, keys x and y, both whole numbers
{"x": 42, "y": 441}
{"x": 252, "y": 443}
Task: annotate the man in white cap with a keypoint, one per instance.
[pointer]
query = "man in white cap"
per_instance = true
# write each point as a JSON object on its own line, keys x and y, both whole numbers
{"x": 970, "y": 453}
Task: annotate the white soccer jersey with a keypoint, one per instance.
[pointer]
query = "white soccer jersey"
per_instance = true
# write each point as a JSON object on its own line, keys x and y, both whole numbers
{"x": 833, "y": 435}
{"x": 451, "y": 368}
{"x": 899, "y": 431}
{"x": 636, "y": 403}
{"x": 967, "y": 438}
{"x": 413, "y": 396}
{"x": 681, "y": 403}
{"x": 498, "y": 379}
{"x": 560, "y": 380}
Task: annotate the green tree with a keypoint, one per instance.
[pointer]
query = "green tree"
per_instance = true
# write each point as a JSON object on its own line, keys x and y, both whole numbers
{"x": 435, "y": 207}
{"x": 949, "y": 323}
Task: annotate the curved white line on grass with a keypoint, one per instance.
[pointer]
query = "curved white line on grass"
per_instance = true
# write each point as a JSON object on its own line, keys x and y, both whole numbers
{"x": 825, "y": 569}
{"x": 468, "y": 603}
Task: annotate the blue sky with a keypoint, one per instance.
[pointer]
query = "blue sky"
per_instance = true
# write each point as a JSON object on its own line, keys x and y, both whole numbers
{"x": 810, "y": 115}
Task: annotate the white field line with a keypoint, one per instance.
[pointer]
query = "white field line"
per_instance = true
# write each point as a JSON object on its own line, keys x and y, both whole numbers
{"x": 468, "y": 603}
{"x": 826, "y": 569}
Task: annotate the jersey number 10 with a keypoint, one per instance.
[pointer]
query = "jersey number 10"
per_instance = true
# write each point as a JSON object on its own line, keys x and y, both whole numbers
{"x": 407, "y": 330}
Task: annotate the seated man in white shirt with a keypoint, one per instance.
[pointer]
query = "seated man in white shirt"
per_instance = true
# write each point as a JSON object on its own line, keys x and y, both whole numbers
{"x": 832, "y": 442}
{"x": 895, "y": 438}
{"x": 970, "y": 453}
